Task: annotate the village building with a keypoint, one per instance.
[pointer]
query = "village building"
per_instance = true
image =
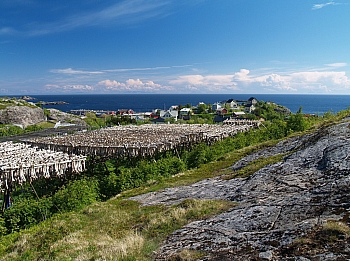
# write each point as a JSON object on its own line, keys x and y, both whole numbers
{"x": 185, "y": 111}
{"x": 250, "y": 105}
{"x": 238, "y": 114}
{"x": 125, "y": 112}
{"x": 232, "y": 104}
{"x": 220, "y": 118}
{"x": 216, "y": 106}
{"x": 169, "y": 114}
{"x": 249, "y": 108}
{"x": 221, "y": 111}
{"x": 252, "y": 101}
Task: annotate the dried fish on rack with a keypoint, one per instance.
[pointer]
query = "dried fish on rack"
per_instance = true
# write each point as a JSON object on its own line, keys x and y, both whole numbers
{"x": 141, "y": 141}
{"x": 21, "y": 163}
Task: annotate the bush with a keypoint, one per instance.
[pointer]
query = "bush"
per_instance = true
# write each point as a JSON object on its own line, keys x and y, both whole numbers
{"x": 76, "y": 195}
{"x": 297, "y": 122}
{"x": 109, "y": 186}
{"x": 26, "y": 213}
{"x": 200, "y": 155}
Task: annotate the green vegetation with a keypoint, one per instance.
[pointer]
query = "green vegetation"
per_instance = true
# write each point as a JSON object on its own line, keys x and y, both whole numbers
{"x": 113, "y": 230}
{"x": 9, "y": 130}
{"x": 108, "y": 120}
{"x": 6, "y": 102}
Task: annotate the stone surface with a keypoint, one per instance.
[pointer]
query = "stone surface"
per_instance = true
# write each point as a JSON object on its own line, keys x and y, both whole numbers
{"x": 63, "y": 117}
{"x": 21, "y": 115}
{"x": 276, "y": 205}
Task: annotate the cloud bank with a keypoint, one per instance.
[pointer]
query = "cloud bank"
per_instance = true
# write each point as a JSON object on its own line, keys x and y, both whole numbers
{"x": 297, "y": 82}
{"x": 242, "y": 81}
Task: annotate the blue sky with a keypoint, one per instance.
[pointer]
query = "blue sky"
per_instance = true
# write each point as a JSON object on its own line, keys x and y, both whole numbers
{"x": 174, "y": 46}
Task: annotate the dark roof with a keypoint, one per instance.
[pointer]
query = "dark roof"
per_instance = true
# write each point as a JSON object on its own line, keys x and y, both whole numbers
{"x": 219, "y": 118}
{"x": 158, "y": 120}
{"x": 252, "y": 98}
{"x": 230, "y": 100}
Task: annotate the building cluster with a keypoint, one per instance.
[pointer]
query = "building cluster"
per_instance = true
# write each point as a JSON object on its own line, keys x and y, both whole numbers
{"x": 239, "y": 108}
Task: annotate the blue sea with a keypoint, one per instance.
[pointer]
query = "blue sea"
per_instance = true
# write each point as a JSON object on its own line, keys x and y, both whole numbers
{"x": 313, "y": 104}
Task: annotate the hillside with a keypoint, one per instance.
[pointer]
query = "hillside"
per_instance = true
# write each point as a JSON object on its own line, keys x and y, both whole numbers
{"x": 256, "y": 201}
{"x": 296, "y": 209}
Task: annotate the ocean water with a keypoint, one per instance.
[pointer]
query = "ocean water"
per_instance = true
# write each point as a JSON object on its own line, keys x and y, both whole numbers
{"x": 317, "y": 104}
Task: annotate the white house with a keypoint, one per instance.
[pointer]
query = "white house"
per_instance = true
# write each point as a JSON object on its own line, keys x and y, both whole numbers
{"x": 249, "y": 108}
{"x": 216, "y": 106}
{"x": 169, "y": 114}
{"x": 252, "y": 101}
{"x": 185, "y": 111}
{"x": 232, "y": 104}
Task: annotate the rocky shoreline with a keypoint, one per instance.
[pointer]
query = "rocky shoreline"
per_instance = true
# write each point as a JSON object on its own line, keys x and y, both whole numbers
{"x": 277, "y": 206}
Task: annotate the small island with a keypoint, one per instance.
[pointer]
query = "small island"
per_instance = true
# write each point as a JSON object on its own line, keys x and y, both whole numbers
{"x": 52, "y": 103}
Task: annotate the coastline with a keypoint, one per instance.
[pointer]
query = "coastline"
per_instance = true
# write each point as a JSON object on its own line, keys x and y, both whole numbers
{"x": 312, "y": 104}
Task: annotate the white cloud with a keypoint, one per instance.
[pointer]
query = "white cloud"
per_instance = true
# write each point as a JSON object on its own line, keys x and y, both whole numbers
{"x": 69, "y": 87}
{"x": 133, "y": 85}
{"x": 204, "y": 80}
{"x": 319, "y": 6}
{"x": 71, "y": 71}
{"x": 337, "y": 65}
{"x": 111, "y": 84}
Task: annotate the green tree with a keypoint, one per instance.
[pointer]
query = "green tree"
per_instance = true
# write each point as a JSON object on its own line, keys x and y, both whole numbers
{"x": 297, "y": 122}
{"x": 202, "y": 108}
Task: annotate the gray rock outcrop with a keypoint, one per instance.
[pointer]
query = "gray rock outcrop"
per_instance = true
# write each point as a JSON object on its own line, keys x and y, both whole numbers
{"x": 21, "y": 115}
{"x": 277, "y": 205}
{"x": 57, "y": 115}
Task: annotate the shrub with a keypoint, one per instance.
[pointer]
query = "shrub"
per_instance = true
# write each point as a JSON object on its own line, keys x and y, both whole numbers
{"x": 76, "y": 195}
{"x": 297, "y": 122}
{"x": 26, "y": 213}
{"x": 109, "y": 186}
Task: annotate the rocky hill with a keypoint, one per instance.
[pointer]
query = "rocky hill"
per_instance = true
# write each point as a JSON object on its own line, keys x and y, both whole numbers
{"x": 59, "y": 116}
{"x": 297, "y": 209}
{"x": 21, "y": 115}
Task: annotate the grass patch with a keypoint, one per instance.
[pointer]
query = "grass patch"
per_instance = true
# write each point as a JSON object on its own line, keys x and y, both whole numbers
{"x": 336, "y": 228}
{"x": 333, "y": 236}
{"x": 187, "y": 255}
{"x": 115, "y": 230}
